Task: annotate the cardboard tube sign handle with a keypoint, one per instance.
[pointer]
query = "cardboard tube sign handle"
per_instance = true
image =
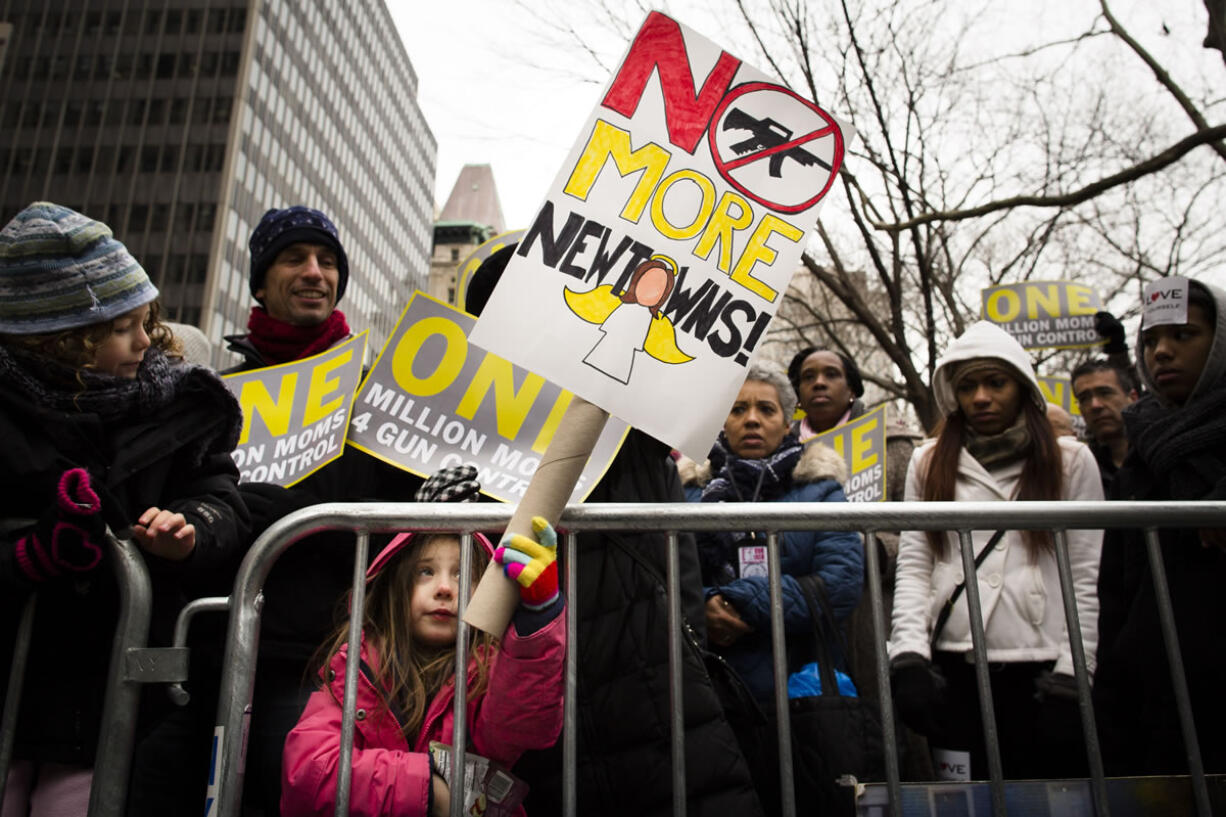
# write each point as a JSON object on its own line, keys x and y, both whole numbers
{"x": 494, "y": 602}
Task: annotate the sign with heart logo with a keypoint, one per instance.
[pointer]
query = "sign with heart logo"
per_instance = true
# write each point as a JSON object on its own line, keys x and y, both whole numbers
{"x": 1165, "y": 301}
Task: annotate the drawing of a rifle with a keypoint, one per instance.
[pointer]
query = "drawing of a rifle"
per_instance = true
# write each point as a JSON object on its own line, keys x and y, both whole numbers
{"x": 767, "y": 133}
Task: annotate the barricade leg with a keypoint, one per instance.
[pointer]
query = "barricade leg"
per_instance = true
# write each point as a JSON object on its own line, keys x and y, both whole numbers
{"x": 225, "y": 787}
{"x": 1098, "y": 781}
{"x": 991, "y": 738}
{"x": 12, "y": 700}
{"x": 779, "y": 653}
{"x": 889, "y": 734}
{"x": 1179, "y": 681}
{"x": 459, "y": 710}
{"x": 357, "y": 601}
{"x": 108, "y": 795}
{"x": 570, "y": 703}
{"x": 675, "y": 695}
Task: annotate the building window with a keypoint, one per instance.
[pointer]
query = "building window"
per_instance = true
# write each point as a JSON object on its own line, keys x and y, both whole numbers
{"x": 148, "y": 159}
{"x": 170, "y": 157}
{"x": 198, "y": 269}
{"x": 160, "y": 213}
{"x": 63, "y": 160}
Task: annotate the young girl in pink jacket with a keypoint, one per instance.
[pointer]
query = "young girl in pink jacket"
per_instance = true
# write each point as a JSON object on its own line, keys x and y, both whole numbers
{"x": 406, "y": 680}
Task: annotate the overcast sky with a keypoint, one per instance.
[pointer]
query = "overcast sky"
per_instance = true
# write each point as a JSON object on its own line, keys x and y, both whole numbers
{"x": 496, "y": 87}
{"x": 486, "y": 102}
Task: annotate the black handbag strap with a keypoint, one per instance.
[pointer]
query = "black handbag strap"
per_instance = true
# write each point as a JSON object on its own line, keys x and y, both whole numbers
{"x": 824, "y": 626}
{"x": 948, "y": 608}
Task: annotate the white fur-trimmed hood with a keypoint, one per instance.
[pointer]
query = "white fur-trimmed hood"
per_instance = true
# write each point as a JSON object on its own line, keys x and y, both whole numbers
{"x": 817, "y": 462}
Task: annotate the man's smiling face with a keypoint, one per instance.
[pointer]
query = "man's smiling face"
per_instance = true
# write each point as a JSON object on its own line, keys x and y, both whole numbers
{"x": 300, "y": 286}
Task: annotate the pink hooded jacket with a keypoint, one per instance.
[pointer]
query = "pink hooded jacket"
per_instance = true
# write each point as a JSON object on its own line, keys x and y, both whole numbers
{"x": 521, "y": 709}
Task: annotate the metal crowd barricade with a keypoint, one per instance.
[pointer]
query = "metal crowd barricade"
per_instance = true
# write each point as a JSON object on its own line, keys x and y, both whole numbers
{"x": 132, "y": 664}
{"x": 226, "y": 778}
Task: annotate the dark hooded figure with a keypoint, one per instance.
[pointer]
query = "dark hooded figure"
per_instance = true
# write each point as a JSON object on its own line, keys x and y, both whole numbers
{"x": 1176, "y": 451}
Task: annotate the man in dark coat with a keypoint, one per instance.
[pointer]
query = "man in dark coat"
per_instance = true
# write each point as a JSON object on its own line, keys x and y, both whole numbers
{"x": 299, "y": 272}
{"x": 1104, "y": 390}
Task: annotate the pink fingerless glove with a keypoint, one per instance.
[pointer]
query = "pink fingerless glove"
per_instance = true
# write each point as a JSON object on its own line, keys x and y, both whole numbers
{"x": 68, "y": 538}
{"x": 533, "y": 565}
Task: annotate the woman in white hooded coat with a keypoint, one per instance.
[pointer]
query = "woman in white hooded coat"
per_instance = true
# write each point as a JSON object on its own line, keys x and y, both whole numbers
{"x": 995, "y": 444}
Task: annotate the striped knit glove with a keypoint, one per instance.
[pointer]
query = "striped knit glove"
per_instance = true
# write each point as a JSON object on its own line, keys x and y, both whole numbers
{"x": 534, "y": 566}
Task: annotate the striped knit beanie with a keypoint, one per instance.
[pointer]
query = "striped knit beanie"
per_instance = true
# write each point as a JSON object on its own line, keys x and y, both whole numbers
{"x": 62, "y": 270}
{"x": 279, "y": 229}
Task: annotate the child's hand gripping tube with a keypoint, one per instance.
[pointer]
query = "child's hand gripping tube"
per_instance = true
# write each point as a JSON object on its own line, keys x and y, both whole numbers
{"x": 533, "y": 565}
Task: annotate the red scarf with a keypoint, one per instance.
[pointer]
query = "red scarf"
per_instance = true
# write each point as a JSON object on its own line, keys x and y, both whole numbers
{"x": 280, "y": 342}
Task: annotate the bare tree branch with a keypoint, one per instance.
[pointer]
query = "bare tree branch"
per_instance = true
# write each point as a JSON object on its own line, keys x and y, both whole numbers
{"x": 1160, "y": 73}
{"x": 1152, "y": 165}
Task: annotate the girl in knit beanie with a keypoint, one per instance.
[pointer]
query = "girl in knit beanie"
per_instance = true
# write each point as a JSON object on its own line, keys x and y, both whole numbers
{"x": 103, "y": 428}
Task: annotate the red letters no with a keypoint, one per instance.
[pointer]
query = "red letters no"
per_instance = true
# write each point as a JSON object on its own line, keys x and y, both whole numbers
{"x": 659, "y": 44}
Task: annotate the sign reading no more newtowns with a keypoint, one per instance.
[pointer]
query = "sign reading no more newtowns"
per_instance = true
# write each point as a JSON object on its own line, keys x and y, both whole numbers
{"x": 665, "y": 243}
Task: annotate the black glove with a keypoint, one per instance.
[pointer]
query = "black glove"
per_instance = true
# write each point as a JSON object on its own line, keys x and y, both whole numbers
{"x": 1059, "y": 715}
{"x": 1110, "y": 329}
{"x": 268, "y": 502}
{"x": 68, "y": 538}
{"x": 1055, "y": 685}
{"x": 457, "y": 484}
{"x": 919, "y": 693}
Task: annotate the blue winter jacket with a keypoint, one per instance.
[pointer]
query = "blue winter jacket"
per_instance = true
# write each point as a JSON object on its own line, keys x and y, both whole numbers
{"x": 836, "y": 557}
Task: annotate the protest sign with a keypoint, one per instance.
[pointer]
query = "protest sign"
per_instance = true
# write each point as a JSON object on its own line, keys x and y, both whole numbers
{"x": 1045, "y": 314}
{"x": 295, "y": 414}
{"x": 1165, "y": 302}
{"x": 433, "y": 401}
{"x": 861, "y": 444}
{"x": 475, "y": 258}
{"x": 1059, "y": 390}
{"x": 666, "y": 242}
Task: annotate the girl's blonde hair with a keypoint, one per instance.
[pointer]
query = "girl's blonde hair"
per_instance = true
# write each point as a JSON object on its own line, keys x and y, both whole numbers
{"x": 78, "y": 347}
{"x": 407, "y": 673}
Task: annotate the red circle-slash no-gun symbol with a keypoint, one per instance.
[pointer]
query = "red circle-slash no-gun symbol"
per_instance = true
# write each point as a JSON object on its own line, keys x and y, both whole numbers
{"x": 777, "y": 144}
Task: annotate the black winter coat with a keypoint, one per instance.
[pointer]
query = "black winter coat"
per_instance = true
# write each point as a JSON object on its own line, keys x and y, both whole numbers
{"x": 1133, "y": 694}
{"x": 624, "y": 762}
{"x": 303, "y": 597}
{"x": 137, "y": 463}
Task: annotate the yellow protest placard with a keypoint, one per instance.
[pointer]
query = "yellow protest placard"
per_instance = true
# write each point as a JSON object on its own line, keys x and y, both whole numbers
{"x": 1045, "y": 314}
{"x": 295, "y": 415}
{"x": 861, "y": 444}
{"x": 433, "y": 401}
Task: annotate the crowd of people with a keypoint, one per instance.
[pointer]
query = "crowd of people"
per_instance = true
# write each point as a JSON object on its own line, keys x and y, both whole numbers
{"x": 108, "y": 426}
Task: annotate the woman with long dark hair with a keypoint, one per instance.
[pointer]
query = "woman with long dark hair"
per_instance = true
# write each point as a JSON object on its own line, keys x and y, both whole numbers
{"x": 995, "y": 444}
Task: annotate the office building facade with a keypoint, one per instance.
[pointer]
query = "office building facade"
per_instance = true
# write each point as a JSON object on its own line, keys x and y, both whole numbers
{"x": 179, "y": 122}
